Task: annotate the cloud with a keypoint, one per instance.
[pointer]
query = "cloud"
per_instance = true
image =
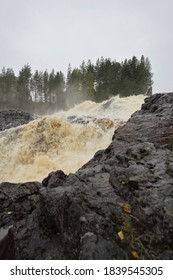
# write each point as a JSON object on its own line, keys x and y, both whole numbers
{"x": 52, "y": 34}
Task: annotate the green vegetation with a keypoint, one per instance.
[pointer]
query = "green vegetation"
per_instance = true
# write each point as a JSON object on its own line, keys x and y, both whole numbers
{"x": 43, "y": 91}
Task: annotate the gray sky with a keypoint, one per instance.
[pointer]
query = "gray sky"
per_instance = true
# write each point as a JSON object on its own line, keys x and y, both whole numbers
{"x": 53, "y": 33}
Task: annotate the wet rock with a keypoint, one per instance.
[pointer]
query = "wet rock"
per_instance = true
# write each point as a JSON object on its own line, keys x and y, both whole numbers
{"x": 81, "y": 120}
{"x": 97, "y": 248}
{"x": 33, "y": 236}
{"x": 119, "y": 205}
{"x": 54, "y": 179}
{"x": 13, "y": 118}
{"x": 7, "y": 243}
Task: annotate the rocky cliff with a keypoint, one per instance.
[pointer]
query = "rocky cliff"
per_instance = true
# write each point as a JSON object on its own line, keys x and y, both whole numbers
{"x": 117, "y": 206}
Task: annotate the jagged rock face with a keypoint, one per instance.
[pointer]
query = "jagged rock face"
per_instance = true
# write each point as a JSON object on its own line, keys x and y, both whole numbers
{"x": 117, "y": 206}
{"x": 13, "y": 118}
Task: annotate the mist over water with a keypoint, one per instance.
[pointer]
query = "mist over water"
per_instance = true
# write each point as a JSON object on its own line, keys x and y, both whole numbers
{"x": 64, "y": 141}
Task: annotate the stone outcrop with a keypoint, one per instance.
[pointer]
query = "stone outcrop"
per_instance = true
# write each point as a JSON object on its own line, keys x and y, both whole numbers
{"x": 13, "y": 118}
{"x": 117, "y": 206}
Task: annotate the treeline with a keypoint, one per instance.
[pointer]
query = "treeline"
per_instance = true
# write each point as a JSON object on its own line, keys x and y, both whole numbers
{"x": 42, "y": 91}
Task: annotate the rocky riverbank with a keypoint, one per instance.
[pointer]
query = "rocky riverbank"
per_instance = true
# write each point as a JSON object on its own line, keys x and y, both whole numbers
{"x": 117, "y": 206}
{"x": 13, "y": 118}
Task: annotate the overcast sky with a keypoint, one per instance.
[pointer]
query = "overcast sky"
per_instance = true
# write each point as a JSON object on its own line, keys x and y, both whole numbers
{"x": 53, "y": 33}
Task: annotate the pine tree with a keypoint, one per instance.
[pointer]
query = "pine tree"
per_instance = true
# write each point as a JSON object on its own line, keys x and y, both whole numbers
{"x": 59, "y": 88}
{"x": 8, "y": 89}
{"x": 36, "y": 86}
{"x": 23, "y": 86}
{"x": 45, "y": 86}
{"x": 51, "y": 94}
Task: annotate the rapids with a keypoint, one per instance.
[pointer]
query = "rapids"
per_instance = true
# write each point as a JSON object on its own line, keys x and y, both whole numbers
{"x": 65, "y": 140}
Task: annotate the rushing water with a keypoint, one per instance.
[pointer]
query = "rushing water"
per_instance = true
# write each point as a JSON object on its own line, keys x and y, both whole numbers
{"x": 65, "y": 140}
